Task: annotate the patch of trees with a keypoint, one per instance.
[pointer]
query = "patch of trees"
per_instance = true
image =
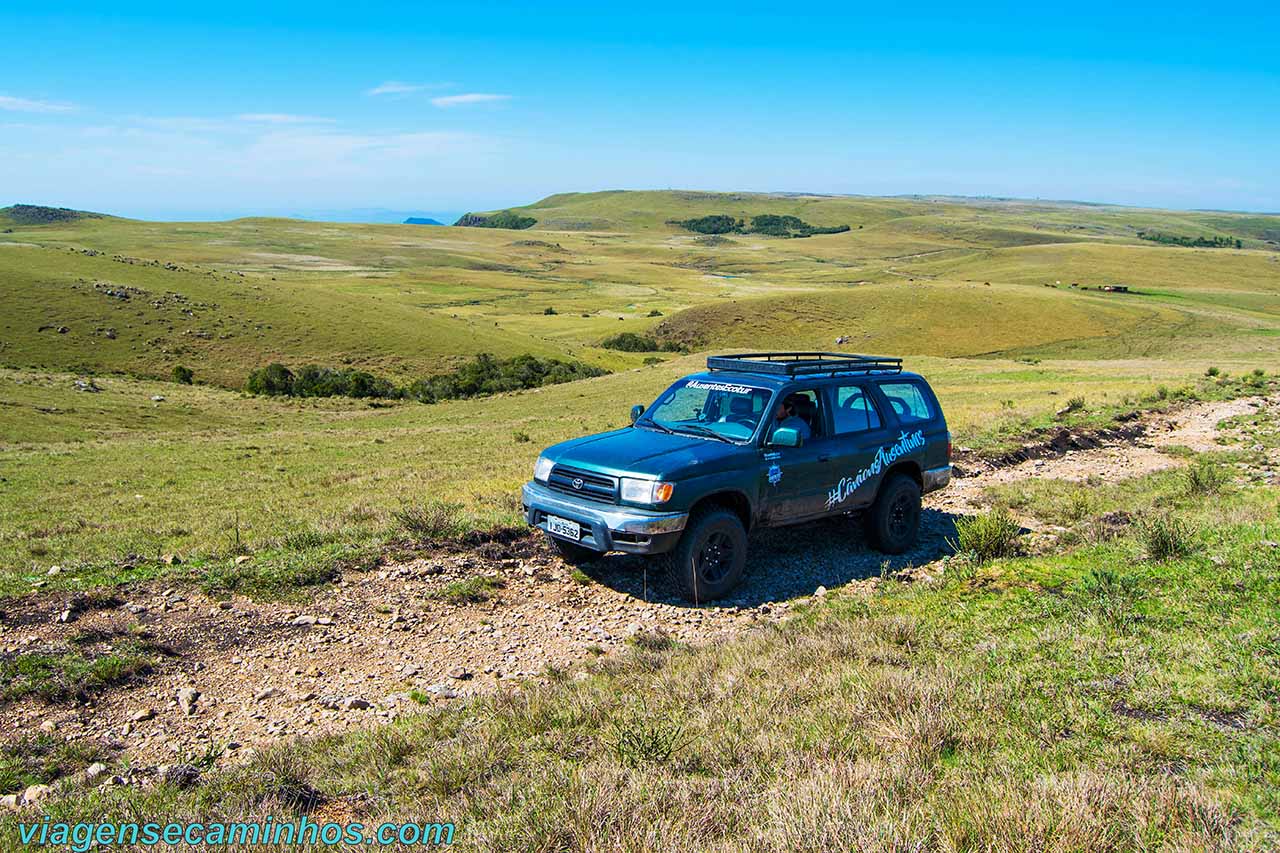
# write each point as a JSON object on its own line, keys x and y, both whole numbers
{"x": 36, "y": 214}
{"x": 502, "y": 219}
{"x": 714, "y": 224}
{"x": 631, "y": 342}
{"x": 488, "y": 375}
{"x": 481, "y": 376}
{"x": 769, "y": 224}
{"x": 1191, "y": 242}
{"x": 790, "y": 226}
{"x": 314, "y": 381}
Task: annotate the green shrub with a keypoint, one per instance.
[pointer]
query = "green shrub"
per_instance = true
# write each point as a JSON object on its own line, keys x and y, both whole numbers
{"x": 655, "y": 640}
{"x": 549, "y": 311}
{"x": 1212, "y": 371}
{"x": 1167, "y": 537}
{"x": 1079, "y": 505}
{"x": 432, "y": 520}
{"x": 987, "y": 537}
{"x": 275, "y": 380}
{"x": 43, "y": 759}
{"x": 57, "y": 676}
{"x": 631, "y": 342}
{"x": 640, "y": 739}
{"x": 473, "y": 590}
{"x": 1205, "y": 478}
{"x": 315, "y": 381}
{"x": 183, "y": 375}
{"x": 1110, "y": 594}
{"x": 279, "y": 575}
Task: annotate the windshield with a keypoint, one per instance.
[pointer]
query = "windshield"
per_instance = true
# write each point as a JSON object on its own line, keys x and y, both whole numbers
{"x": 700, "y": 406}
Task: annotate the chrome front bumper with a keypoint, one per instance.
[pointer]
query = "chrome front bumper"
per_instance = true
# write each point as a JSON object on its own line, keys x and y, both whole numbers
{"x": 605, "y": 527}
{"x": 934, "y": 479}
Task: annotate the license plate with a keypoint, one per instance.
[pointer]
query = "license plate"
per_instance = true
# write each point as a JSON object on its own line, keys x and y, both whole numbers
{"x": 564, "y": 527}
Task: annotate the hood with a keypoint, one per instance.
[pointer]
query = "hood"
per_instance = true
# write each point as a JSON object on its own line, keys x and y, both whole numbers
{"x": 648, "y": 452}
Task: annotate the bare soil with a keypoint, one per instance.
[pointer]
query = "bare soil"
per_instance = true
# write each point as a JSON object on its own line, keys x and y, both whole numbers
{"x": 377, "y": 643}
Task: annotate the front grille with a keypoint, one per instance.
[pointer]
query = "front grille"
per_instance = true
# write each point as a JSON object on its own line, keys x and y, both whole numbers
{"x": 571, "y": 481}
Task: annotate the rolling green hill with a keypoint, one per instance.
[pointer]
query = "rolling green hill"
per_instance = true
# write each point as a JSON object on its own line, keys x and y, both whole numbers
{"x": 938, "y": 318}
{"x": 100, "y": 294}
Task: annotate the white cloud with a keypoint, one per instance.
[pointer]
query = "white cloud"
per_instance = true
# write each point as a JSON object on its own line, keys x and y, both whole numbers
{"x": 394, "y": 87}
{"x": 469, "y": 98}
{"x": 399, "y": 87}
{"x": 183, "y": 124}
{"x": 25, "y": 105}
{"x": 283, "y": 118}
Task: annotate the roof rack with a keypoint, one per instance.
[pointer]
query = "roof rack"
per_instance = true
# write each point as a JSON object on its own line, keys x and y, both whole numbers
{"x": 803, "y": 363}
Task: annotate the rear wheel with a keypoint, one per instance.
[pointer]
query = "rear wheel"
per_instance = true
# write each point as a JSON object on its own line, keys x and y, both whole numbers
{"x": 893, "y": 522}
{"x": 708, "y": 561}
{"x": 571, "y": 552}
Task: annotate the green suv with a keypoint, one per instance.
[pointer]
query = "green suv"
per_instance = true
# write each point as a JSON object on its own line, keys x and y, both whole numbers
{"x": 758, "y": 440}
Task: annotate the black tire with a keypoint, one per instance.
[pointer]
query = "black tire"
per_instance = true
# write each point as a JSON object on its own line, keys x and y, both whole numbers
{"x": 893, "y": 522}
{"x": 571, "y": 552}
{"x": 707, "y": 562}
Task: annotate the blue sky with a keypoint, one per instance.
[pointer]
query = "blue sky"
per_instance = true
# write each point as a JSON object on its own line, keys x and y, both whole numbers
{"x": 231, "y": 108}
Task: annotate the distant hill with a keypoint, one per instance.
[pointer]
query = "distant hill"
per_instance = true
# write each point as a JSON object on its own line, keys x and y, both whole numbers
{"x": 901, "y": 219}
{"x": 36, "y": 214}
{"x": 107, "y": 294}
{"x": 421, "y": 220}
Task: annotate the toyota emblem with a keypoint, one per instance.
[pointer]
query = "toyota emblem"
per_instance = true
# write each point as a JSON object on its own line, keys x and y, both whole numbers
{"x": 577, "y": 482}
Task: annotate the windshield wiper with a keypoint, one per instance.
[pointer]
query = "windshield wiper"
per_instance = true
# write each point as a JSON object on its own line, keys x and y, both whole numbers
{"x": 699, "y": 429}
{"x": 651, "y": 422}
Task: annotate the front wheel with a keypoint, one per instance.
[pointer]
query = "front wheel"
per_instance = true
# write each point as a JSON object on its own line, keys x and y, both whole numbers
{"x": 571, "y": 552}
{"x": 893, "y": 522}
{"x": 709, "y": 559}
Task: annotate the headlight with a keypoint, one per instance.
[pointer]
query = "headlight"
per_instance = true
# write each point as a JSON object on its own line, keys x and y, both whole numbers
{"x": 542, "y": 469}
{"x": 646, "y": 491}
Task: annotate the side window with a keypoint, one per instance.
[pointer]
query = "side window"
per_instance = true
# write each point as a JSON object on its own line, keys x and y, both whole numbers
{"x": 807, "y": 406}
{"x": 908, "y": 401}
{"x": 854, "y": 411}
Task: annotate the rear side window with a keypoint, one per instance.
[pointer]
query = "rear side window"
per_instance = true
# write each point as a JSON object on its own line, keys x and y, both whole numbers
{"x": 908, "y": 401}
{"x": 854, "y": 410}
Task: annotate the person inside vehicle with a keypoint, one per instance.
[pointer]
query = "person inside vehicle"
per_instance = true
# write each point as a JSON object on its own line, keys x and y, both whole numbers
{"x": 788, "y": 415}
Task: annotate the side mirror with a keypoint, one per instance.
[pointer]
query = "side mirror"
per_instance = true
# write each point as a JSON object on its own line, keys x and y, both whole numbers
{"x": 636, "y": 411}
{"x": 785, "y": 437}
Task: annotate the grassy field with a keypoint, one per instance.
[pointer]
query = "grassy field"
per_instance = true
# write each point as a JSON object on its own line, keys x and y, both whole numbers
{"x": 104, "y": 484}
{"x": 137, "y": 298}
{"x": 1117, "y": 694}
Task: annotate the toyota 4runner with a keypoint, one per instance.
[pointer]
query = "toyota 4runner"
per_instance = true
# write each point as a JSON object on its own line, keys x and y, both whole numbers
{"x": 759, "y": 439}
